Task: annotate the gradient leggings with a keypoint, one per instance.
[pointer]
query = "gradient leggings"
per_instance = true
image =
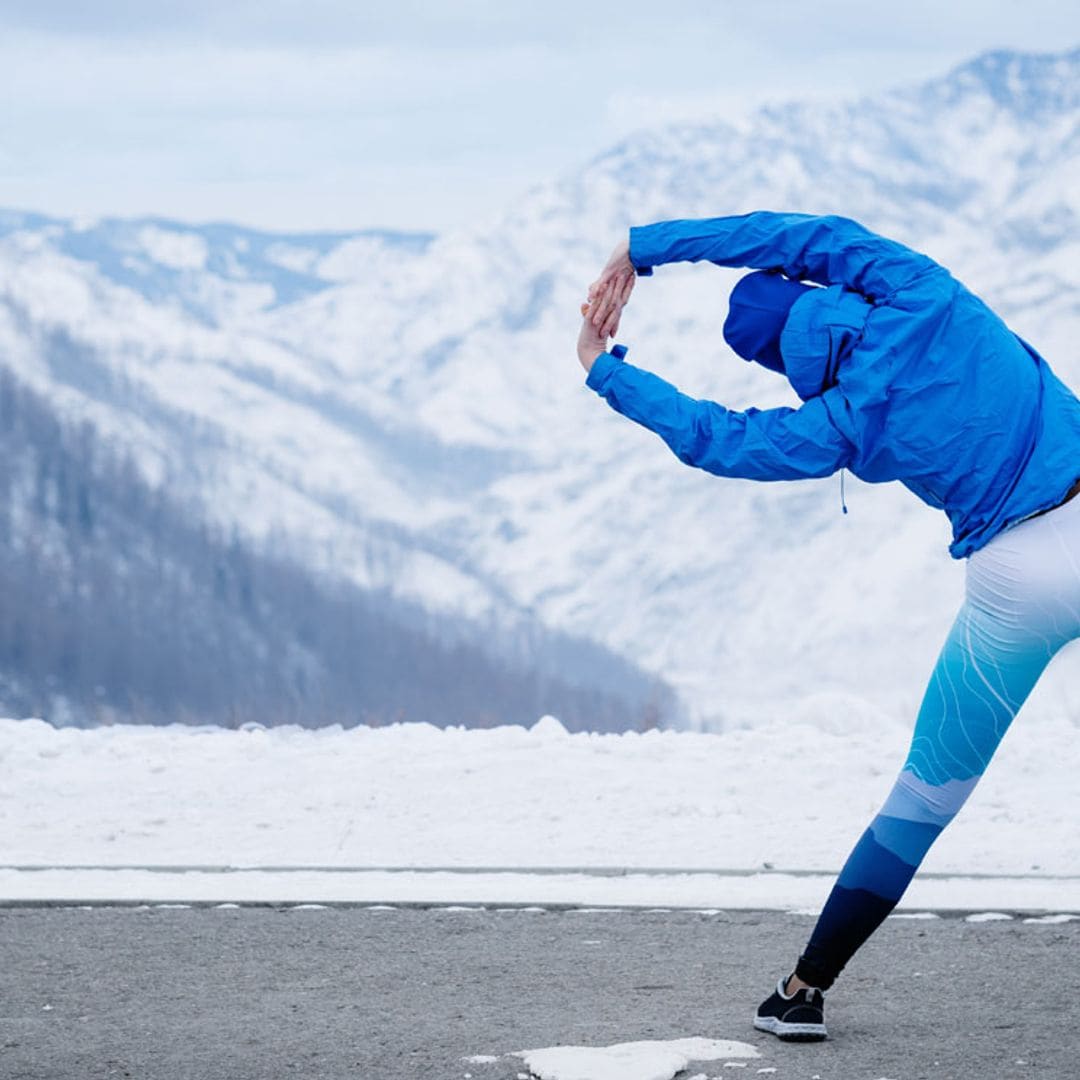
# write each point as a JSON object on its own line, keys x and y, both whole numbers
{"x": 1022, "y": 605}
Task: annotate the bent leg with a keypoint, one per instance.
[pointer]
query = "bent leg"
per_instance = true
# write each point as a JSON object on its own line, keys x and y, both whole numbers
{"x": 986, "y": 670}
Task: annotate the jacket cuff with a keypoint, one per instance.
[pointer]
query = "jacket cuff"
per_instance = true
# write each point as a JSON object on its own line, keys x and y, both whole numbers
{"x": 603, "y": 366}
{"x": 639, "y": 256}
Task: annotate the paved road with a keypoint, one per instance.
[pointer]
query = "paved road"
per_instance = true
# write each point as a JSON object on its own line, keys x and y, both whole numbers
{"x": 209, "y": 994}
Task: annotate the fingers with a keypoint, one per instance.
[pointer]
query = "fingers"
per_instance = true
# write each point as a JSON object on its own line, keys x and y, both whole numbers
{"x": 614, "y": 301}
{"x": 599, "y": 285}
{"x": 608, "y": 295}
{"x": 617, "y": 268}
{"x": 611, "y": 324}
{"x": 606, "y": 310}
{"x": 601, "y": 308}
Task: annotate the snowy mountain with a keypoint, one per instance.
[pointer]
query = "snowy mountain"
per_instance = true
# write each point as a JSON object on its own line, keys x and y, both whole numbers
{"x": 408, "y": 412}
{"x": 212, "y": 271}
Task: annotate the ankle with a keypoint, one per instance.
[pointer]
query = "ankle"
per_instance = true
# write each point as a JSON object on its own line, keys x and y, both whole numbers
{"x": 793, "y": 984}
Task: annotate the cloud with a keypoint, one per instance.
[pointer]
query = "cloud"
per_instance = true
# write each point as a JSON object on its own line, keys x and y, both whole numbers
{"x": 346, "y": 23}
{"x": 604, "y": 26}
{"x": 303, "y": 105}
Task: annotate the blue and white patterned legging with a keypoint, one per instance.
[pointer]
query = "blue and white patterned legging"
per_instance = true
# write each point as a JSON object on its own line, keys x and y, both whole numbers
{"x": 1022, "y": 605}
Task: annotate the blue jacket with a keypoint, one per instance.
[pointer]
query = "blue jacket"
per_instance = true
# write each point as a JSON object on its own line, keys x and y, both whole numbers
{"x": 905, "y": 375}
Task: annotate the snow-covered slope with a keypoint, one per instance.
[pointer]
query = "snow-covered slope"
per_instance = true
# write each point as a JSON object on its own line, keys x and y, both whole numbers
{"x": 409, "y": 410}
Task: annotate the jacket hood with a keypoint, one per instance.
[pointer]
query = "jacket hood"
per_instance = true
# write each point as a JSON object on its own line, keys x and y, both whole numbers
{"x": 822, "y": 328}
{"x": 757, "y": 310}
{"x": 801, "y": 331}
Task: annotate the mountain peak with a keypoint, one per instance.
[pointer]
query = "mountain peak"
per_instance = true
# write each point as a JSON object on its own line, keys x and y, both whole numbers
{"x": 1025, "y": 83}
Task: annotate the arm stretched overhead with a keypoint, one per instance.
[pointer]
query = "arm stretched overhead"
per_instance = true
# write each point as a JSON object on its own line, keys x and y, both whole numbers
{"x": 829, "y": 250}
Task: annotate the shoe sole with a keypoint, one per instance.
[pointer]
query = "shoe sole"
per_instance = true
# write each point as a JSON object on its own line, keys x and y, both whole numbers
{"x": 790, "y": 1032}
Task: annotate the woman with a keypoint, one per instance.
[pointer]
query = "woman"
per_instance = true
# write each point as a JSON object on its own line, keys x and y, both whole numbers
{"x": 904, "y": 375}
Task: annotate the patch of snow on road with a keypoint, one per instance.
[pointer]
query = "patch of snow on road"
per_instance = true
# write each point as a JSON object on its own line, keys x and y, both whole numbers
{"x": 645, "y": 1060}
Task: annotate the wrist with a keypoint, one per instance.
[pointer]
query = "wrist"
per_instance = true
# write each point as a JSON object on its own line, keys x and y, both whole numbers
{"x": 587, "y": 356}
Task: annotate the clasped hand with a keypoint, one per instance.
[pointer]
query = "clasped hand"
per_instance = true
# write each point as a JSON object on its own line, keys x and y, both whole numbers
{"x": 608, "y": 295}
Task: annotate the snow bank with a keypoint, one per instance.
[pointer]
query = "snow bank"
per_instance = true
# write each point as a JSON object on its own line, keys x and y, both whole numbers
{"x": 789, "y": 796}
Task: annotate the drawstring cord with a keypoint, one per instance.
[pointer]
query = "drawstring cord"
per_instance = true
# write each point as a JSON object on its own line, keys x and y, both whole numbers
{"x": 842, "y": 503}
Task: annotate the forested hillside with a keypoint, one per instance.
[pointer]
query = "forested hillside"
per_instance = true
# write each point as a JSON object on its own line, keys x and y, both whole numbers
{"x": 121, "y": 604}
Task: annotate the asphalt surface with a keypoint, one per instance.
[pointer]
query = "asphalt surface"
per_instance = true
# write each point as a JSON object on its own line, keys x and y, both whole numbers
{"x": 201, "y": 993}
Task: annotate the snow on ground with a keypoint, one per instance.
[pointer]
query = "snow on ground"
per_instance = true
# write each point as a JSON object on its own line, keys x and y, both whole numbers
{"x": 648, "y": 1060}
{"x": 788, "y": 796}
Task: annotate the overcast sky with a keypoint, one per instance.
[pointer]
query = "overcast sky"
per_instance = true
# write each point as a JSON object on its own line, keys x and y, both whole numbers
{"x": 341, "y": 114}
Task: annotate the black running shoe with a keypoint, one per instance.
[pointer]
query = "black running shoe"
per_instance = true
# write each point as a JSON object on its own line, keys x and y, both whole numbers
{"x": 799, "y": 1017}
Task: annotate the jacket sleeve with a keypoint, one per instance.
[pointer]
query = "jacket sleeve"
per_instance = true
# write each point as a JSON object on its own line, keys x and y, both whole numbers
{"x": 770, "y": 444}
{"x": 829, "y": 250}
